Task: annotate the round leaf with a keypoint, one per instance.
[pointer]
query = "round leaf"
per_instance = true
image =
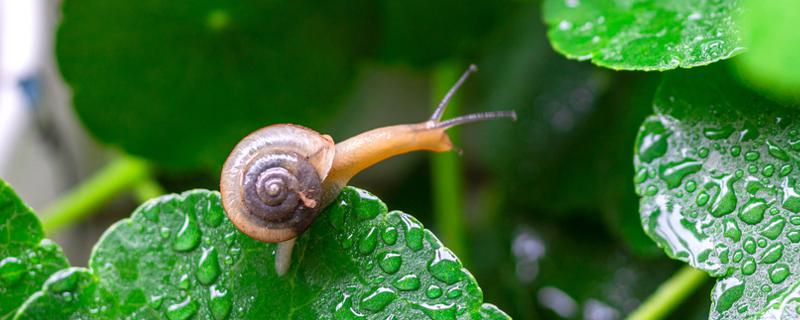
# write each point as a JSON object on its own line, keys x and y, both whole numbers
{"x": 180, "y": 83}
{"x": 644, "y": 34}
{"x": 179, "y": 257}
{"x": 26, "y": 258}
{"x": 717, "y": 172}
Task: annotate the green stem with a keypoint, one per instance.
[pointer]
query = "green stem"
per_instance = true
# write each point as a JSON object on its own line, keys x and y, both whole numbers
{"x": 670, "y": 294}
{"x": 447, "y": 183}
{"x": 117, "y": 177}
{"x": 148, "y": 189}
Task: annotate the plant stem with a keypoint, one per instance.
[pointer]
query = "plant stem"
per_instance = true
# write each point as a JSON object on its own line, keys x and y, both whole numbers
{"x": 147, "y": 189}
{"x": 121, "y": 175}
{"x": 670, "y": 294}
{"x": 448, "y": 209}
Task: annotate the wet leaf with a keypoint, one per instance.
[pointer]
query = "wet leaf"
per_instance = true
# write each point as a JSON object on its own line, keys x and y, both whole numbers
{"x": 769, "y": 30}
{"x": 644, "y": 34}
{"x": 73, "y": 291}
{"x": 717, "y": 172}
{"x": 178, "y": 256}
{"x": 180, "y": 83}
{"x": 26, "y": 258}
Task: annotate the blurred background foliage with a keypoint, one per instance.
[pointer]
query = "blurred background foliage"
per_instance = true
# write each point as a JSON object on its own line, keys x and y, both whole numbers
{"x": 550, "y": 218}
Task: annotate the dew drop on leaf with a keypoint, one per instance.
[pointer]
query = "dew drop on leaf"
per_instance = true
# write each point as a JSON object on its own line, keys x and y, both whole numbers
{"x": 182, "y": 310}
{"x": 674, "y": 172}
{"x": 368, "y": 243}
{"x": 772, "y": 253}
{"x": 219, "y": 302}
{"x": 11, "y": 271}
{"x": 433, "y": 291}
{"x": 444, "y": 266}
{"x": 208, "y": 267}
{"x": 749, "y": 266}
{"x": 774, "y": 228}
{"x": 727, "y": 292}
{"x": 778, "y": 273}
{"x": 390, "y": 262}
{"x": 752, "y": 212}
{"x": 652, "y": 142}
{"x": 188, "y": 236}
{"x": 408, "y": 282}
{"x": 378, "y": 299}
{"x": 412, "y": 231}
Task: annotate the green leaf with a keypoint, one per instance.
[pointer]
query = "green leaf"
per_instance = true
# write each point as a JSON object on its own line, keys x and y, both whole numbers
{"x": 717, "y": 172}
{"x": 69, "y": 292}
{"x": 178, "y": 256}
{"x": 769, "y": 28}
{"x": 644, "y": 34}
{"x": 26, "y": 258}
{"x": 180, "y": 83}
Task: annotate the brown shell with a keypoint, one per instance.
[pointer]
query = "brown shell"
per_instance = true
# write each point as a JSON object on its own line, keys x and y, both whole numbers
{"x": 307, "y": 145}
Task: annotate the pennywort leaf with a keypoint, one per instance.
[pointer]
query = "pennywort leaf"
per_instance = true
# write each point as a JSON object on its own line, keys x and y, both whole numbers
{"x": 716, "y": 167}
{"x": 26, "y": 258}
{"x": 644, "y": 34}
{"x": 179, "y": 257}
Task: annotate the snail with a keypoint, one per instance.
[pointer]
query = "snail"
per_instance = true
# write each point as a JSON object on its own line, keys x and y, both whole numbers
{"x": 279, "y": 178}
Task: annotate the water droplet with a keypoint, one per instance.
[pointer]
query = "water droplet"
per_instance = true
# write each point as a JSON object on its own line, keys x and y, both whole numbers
{"x": 749, "y": 245}
{"x": 150, "y": 210}
{"x": 183, "y": 310}
{"x": 188, "y": 236}
{"x": 738, "y": 255}
{"x": 652, "y": 141}
{"x": 65, "y": 280}
{"x": 718, "y": 133}
{"x": 437, "y": 311}
{"x": 367, "y": 205}
{"x": 736, "y": 151}
{"x": 214, "y": 215}
{"x": 413, "y": 232}
{"x": 389, "y": 235}
{"x": 208, "y": 267}
{"x": 702, "y": 198}
{"x": 11, "y": 271}
{"x": 368, "y": 243}
{"x": 772, "y": 253}
{"x": 338, "y": 211}
{"x": 778, "y": 273}
{"x": 727, "y": 292}
{"x": 725, "y": 200}
{"x": 774, "y": 228}
{"x": 703, "y": 152}
{"x": 453, "y": 293}
{"x": 775, "y": 151}
{"x": 155, "y": 301}
{"x": 749, "y": 266}
{"x": 752, "y": 169}
{"x": 794, "y": 236}
{"x": 673, "y": 173}
{"x": 732, "y": 230}
{"x": 220, "y": 302}
{"x": 433, "y": 292}
{"x": 390, "y": 262}
{"x": 344, "y": 309}
{"x": 184, "y": 282}
{"x": 445, "y": 266}
{"x": 407, "y": 283}
{"x": 752, "y": 212}
{"x": 785, "y": 170}
{"x": 378, "y": 299}
{"x": 751, "y": 156}
{"x": 691, "y": 186}
{"x": 768, "y": 170}
{"x": 641, "y": 176}
{"x": 795, "y": 220}
{"x": 651, "y": 190}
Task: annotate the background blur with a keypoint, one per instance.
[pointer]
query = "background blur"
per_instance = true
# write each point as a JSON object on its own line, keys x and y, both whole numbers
{"x": 542, "y": 211}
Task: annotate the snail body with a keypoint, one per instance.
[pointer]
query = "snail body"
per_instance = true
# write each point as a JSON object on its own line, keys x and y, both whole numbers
{"x": 278, "y": 179}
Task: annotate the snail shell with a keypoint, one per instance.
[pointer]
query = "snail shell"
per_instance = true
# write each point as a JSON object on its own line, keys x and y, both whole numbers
{"x": 271, "y": 182}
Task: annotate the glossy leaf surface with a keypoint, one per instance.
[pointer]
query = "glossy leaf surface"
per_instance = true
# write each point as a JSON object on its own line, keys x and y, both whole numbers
{"x": 717, "y": 172}
{"x": 644, "y": 34}
{"x": 181, "y": 83}
{"x": 26, "y": 258}
{"x": 179, "y": 257}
